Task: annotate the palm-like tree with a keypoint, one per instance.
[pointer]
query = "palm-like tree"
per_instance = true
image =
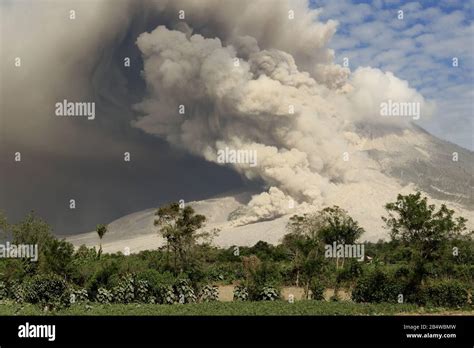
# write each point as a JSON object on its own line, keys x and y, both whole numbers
{"x": 101, "y": 231}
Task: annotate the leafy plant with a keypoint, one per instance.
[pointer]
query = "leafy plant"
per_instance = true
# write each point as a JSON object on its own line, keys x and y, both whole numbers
{"x": 377, "y": 286}
{"x": 167, "y": 295}
{"x": 241, "y": 293}
{"x": 46, "y": 290}
{"x": 269, "y": 293}
{"x": 317, "y": 290}
{"x": 3, "y": 290}
{"x": 124, "y": 292}
{"x": 78, "y": 295}
{"x": 104, "y": 296}
{"x": 184, "y": 292}
{"x": 57, "y": 257}
{"x": 159, "y": 287}
{"x": 209, "y": 293}
{"x": 16, "y": 291}
{"x": 446, "y": 293}
{"x": 142, "y": 292}
{"x": 259, "y": 275}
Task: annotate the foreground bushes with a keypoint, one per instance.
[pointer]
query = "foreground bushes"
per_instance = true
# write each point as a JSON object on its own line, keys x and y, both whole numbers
{"x": 269, "y": 293}
{"x": 79, "y": 295}
{"x": 265, "y": 293}
{"x": 446, "y": 293}
{"x": 317, "y": 290}
{"x": 241, "y": 293}
{"x": 209, "y": 293}
{"x": 104, "y": 296}
{"x": 134, "y": 289}
{"x": 49, "y": 291}
{"x": 53, "y": 291}
{"x": 131, "y": 289}
{"x": 378, "y": 286}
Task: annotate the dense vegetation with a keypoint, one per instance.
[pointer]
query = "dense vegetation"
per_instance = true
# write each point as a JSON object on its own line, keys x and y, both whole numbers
{"x": 429, "y": 261}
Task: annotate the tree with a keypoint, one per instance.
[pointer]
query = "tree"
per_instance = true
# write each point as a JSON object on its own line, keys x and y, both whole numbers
{"x": 338, "y": 227}
{"x": 101, "y": 231}
{"x": 308, "y": 234}
{"x": 178, "y": 226}
{"x": 55, "y": 255}
{"x": 32, "y": 230}
{"x": 305, "y": 247}
{"x": 259, "y": 275}
{"x": 416, "y": 224}
{"x": 58, "y": 255}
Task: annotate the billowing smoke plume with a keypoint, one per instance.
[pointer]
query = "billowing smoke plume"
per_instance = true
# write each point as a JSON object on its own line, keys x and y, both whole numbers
{"x": 247, "y": 88}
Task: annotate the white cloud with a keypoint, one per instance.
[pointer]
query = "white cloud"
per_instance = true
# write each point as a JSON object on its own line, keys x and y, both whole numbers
{"x": 418, "y": 48}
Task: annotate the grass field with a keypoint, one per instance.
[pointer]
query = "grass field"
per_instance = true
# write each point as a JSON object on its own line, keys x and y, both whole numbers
{"x": 235, "y": 308}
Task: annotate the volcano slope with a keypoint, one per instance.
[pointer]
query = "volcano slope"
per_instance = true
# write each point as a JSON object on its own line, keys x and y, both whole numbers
{"x": 402, "y": 162}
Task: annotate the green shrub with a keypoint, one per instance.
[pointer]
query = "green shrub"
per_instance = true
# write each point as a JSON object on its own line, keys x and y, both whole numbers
{"x": 16, "y": 291}
{"x": 159, "y": 286}
{"x": 317, "y": 289}
{"x": 184, "y": 292}
{"x": 78, "y": 295}
{"x": 446, "y": 293}
{"x": 132, "y": 289}
{"x": 262, "y": 275}
{"x": 463, "y": 272}
{"x": 241, "y": 293}
{"x": 143, "y": 292}
{"x": 83, "y": 252}
{"x": 377, "y": 286}
{"x": 288, "y": 272}
{"x": 167, "y": 295}
{"x": 268, "y": 293}
{"x": 104, "y": 296}
{"x": 3, "y": 291}
{"x": 103, "y": 276}
{"x": 227, "y": 272}
{"x": 402, "y": 272}
{"x": 350, "y": 272}
{"x": 57, "y": 257}
{"x": 156, "y": 279}
{"x": 155, "y": 287}
{"x": 46, "y": 290}
{"x": 124, "y": 292}
{"x": 209, "y": 293}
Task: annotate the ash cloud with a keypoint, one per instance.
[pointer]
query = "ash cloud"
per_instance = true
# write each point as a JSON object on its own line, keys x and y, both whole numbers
{"x": 246, "y": 106}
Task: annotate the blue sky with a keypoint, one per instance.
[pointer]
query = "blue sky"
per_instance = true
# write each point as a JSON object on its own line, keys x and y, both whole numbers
{"x": 418, "y": 48}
